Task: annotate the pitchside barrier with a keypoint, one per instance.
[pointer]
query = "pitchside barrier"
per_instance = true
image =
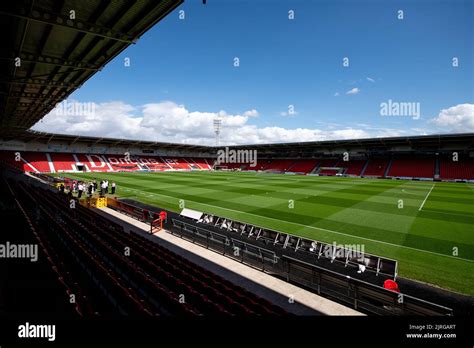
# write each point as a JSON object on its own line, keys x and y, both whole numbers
{"x": 353, "y": 292}
{"x": 335, "y": 253}
{"x": 155, "y": 219}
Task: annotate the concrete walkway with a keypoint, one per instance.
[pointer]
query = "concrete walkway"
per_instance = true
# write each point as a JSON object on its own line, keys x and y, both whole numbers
{"x": 288, "y": 296}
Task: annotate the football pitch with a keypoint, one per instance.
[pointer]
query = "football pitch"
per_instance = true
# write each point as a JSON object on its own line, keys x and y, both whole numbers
{"x": 428, "y": 227}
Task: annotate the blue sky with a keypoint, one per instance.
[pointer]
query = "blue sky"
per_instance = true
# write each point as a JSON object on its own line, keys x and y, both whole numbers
{"x": 189, "y": 63}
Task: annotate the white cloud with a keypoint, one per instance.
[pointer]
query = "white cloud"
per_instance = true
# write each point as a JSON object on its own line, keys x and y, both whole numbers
{"x": 458, "y": 118}
{"x": 354, "y": 90}
{"x": 370, "y": 79}
{"x": 251, "y": 113}
{"x": 336, "y": 94}
{"x": 170, "y": 122}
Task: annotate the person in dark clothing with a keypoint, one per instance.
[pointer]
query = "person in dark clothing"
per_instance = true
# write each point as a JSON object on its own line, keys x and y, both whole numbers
{"x": 145, "y": 215}
{"x": 61, "y": 188}
{"x": 113, "y": 187}
{"x": 89, "y": 189}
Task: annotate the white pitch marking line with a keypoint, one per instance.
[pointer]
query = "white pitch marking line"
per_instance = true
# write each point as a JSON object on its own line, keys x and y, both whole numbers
{"x": 423, "y": 203}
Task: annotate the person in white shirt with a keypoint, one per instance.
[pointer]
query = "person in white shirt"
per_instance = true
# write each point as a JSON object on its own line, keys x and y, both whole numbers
{"x": 103, "y": 188}
{"x": 80, "y": 189}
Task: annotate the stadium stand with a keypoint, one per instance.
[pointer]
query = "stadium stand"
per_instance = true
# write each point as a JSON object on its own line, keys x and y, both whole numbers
{"x": 53, "y": 281}
{"x": 463, "y": 169}
{"x": 376, "y": 167}
{"x": 149, "y": 282}
{"x": 412, "y": 167}
{"x": 353, "y": 167}
{"x": 63, "y": 162}
{"x": 303, "y": 166}
{"x": 39, "y": 162}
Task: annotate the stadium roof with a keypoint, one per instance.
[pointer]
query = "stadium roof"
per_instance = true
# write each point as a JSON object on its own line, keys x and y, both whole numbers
{"x": 58, "y": 53}
{"x": 422, "y": 142}
{"x": 47, "y": 138}
{"x": 412, "y": 143}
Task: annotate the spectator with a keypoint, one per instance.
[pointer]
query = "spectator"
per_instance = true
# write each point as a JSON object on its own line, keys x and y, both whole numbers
{"x": 80, "y": 188}
{"x": 113, "y": 187}
{"x": 103, "y": 188}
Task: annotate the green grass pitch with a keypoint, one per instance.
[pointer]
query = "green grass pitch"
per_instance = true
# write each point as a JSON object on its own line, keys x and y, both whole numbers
{"x": 431, "y": 235}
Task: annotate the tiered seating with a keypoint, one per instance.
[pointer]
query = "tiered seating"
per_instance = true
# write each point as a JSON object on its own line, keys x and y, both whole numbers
{"x": 202, "y": 163}
{"x": 118, "y": 163}
{"x": 150, "y": 281}
{"x": 261, "y": 165}
{"x": 51, "y": 281}
{"x": 234, "y": 165}
{"x": 303, "y": 166}
{"x": 328, "y": 162}
{"x": 376, "y": 167}
{"x": 354, "y": 167}
{"x": 423, "y": 167}
{"x": 279, "y": 165}
{"x": 8, "y": 159}
{"x": 37, "y": 160}
{"x": 63, "y": 161}
{"x": 151, "y": 163}
{"x": 176, "y": 163}
{"x": 412, "y": 167}
{"x": 462, "y": 169}
{"x": 33, "y": 162}
{"x": 88, "y": 301}
{"x": 95, "y": 163}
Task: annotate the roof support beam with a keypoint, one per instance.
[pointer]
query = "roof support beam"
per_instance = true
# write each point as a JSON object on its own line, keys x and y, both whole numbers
{"x": 39, "y": 82}
{"x": 43, "y": 59}
{"x": 36, "y": 96}
{"x": 77, "y": 25}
